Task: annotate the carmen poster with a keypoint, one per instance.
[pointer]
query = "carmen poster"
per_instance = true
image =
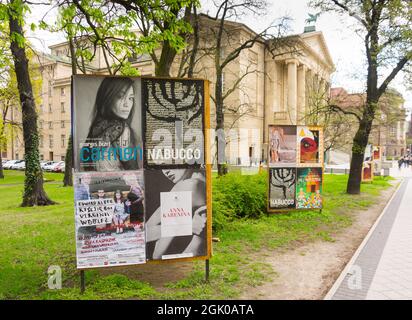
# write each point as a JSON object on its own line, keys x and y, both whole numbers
{"x": 176, "y": 215}
{"x": 309, "y": 188}
{"x": 109, "y": 219}
{"x": 282, "y": 146}
{"x": 310, "y": 142}
{"x": 107, "y": 123}
{"x": 282, "y": 188}
{"x": 173, "y": 122}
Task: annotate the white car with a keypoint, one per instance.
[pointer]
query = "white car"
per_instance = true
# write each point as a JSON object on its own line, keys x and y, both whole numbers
{"x": 49, "y": 167}
{"x": 9, "y": 163}
{"x": 20, "y": 166}
{"x": 45, "y": 163}
{"x": 56, "y": 165}
{"x": 13, "y": 166}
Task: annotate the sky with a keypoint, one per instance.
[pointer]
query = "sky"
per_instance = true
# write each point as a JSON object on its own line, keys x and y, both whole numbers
{"x": 346, "y": 48}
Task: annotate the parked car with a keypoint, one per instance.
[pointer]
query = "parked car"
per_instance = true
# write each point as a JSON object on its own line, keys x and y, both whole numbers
{"x": 59, "y": 167}
{"x": 20, "y": 166}
{"x": 45, "y": 163}
{"x": 49, "y": 167}
{"x": 9, "y": 163}
{"x": 13, "y": 165}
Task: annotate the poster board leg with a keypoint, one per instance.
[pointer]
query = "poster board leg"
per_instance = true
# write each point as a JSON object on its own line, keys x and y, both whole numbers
{"x": 207, "y": 269}
{"x": 82, "y": 282}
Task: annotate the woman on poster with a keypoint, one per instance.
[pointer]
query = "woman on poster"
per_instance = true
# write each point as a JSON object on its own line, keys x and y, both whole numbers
{"x": 111, "y": 126}
{"x": 184, "y": 180}
{"x": 119, "y": 215}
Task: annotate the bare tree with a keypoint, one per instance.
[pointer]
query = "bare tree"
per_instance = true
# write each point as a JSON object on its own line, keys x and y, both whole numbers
{"x": 387, "y": 39}
{"x": 226, "y": 47}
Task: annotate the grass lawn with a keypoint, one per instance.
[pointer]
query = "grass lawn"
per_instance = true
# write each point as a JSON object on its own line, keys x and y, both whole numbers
{"x": 32, "y": 239}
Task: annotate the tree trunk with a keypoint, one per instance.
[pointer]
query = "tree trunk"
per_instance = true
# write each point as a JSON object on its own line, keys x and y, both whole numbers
{"x": 1, "y": 166}
{"x": 358, "y": 149}
{"x": 220, "y": 125}
{"x": 34, "y": 193}
{"x": 167, "y": 56}
{"x": 68, "y": 176}
{"x": 68, "y": 162}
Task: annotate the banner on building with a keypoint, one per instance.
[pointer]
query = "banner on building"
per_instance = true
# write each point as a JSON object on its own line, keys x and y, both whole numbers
{"x": 295, "y": 167}
{"x": 142, "y": 184}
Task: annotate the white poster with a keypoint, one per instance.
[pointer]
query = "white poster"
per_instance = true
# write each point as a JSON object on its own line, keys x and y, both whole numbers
{"x": 109, "y": 219}
{"x": 176, "y": 213}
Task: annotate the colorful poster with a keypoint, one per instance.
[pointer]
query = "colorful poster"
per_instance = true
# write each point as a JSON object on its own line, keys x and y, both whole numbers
{"x": 176, "y": 197}
{"x": 367, "y": 171}
{"x": 376, "y": 153}
{"x": 309, "y": 188}
{"x": 173, "y": 122}
{"x": 107, "y": 123}
{"x": 109, "y": 218}
{"x": 282, "y": 146}
{"x": 368, "y": 156}
{"x": 310, "y": 146}
{"x": 282, "y": 188}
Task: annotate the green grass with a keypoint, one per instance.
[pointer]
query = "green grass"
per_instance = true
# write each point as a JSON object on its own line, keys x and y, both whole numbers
{"x": 32, "y": 239}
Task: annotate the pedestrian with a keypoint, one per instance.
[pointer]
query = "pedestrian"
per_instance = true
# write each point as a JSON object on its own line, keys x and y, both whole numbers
{"x": 400, "y": 162}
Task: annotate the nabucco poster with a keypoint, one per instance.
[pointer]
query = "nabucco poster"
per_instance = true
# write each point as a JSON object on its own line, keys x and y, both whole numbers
{"x": 109, "y": 218}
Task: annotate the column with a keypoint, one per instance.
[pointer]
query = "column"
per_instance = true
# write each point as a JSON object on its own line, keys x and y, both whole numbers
{"x": 301, "y": 103}
{"x": 292, "y": 90}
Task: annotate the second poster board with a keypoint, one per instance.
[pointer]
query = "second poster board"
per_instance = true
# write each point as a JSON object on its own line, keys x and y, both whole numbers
{"x": 295, "y": 167}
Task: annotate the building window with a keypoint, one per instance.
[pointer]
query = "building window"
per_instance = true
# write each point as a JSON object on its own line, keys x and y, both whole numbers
{"x": 50, "y": 108}
{"x": 392, "y": 131}
{"x": 41, "y": 141}
{"x": 17, "y": 156}
{"x": 50, "y": 89}
{"x": 62, "y": 91}
{"x": 62, "y": 107}
{"x": 63, "y": 124}
{"x": 41, "y": 157}
{"x": 50, "y": 124}
{"x": 40, "y": 124}
{"x": 51, "y": 141}
{"x": 63, "y": 140}
{"x": 63, "y": 158}
{"x": 41, "y": 108}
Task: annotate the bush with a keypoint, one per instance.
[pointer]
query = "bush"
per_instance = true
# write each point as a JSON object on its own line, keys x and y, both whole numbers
{"x": 238, "y": 196}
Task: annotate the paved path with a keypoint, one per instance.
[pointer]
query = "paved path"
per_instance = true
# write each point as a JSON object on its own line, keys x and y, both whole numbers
{"x": 382, "y": 266}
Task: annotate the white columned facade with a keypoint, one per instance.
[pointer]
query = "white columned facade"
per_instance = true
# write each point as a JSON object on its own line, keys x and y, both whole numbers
{"x": 301, "y": 101}
{"x": 292, "y": 90}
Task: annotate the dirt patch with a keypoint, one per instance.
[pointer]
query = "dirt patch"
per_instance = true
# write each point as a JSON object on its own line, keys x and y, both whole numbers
{"x": 157, "y": 275}
{"x": 308, "y": 272}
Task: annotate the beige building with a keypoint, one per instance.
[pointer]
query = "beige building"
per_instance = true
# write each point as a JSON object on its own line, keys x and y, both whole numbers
{"x": 269, "y": 90}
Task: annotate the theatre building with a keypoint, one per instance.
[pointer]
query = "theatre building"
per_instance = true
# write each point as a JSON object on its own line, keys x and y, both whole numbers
{"x": 263, "y": 86}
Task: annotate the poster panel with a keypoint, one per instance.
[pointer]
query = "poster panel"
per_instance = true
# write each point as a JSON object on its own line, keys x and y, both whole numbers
{"x": 310, "y": 143}
{"x": 309, "y": 188}
{"x": 282, "y": 188}
{"x": 376, "y": 153}
{"x": 109, "y": 218}
{"x": 173, "y": 122}
{"x": 176, "y": 215}
{"x": 368, "y": 156}
{"x": 367, "y": 171}
{"x": 107, "y": 123}
{"x": 282, "y": 146}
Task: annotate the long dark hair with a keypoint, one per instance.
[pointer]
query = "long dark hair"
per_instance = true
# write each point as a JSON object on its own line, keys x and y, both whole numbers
{"x": 107, "y": 94}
